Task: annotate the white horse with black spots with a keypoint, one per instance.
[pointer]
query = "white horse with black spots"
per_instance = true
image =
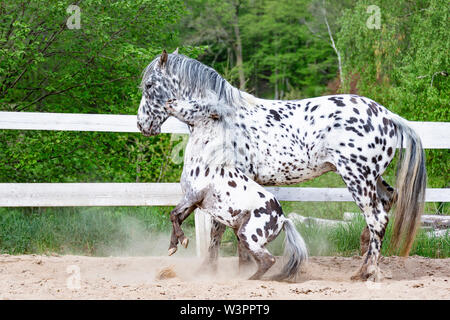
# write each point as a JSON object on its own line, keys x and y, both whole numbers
{"x": 273, "y": 142}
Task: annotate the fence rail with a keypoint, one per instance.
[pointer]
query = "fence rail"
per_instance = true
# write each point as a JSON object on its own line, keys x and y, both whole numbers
{"x": 80, "y": 122}
{"x": 434, "y": 135}
{"x": 149, "y": 194}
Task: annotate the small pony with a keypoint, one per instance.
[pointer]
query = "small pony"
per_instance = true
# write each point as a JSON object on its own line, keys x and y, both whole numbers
{"x": 213, "y": 184}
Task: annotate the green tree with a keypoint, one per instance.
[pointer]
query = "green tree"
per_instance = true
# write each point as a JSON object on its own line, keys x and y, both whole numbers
{"x": 283, "y": 52}
{"x": 280, "y": 56}
{"x": 216, "y": 24}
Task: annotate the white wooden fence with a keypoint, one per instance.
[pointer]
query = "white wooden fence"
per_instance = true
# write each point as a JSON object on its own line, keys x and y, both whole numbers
{"x": 434, "y": 135}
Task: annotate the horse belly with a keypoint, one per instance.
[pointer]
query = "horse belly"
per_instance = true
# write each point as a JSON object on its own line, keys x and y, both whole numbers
{"x": 292, "y": 174}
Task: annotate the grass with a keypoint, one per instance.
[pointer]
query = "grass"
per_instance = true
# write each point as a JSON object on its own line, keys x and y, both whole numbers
{"x": 145, "y": 231}
{"x": 345, "y": 241}
{"x": 88, "y": 231}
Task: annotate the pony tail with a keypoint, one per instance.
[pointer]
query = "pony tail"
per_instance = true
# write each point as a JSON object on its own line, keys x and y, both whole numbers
{"x": 295, "y": 249}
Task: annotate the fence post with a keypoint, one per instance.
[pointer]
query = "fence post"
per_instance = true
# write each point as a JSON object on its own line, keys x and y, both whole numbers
{"x": 202, "y": 232}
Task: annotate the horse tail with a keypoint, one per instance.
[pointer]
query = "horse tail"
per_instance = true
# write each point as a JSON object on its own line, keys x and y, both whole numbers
{"x": 410, "y": 187}
{"x": 295, "y": 249}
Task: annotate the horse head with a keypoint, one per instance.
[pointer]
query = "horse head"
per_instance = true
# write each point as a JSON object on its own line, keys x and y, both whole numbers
{"x": 157, "y": 88}
{"x": 175, "y": 77}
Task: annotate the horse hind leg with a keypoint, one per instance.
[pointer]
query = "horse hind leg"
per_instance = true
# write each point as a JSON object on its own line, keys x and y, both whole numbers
{"x": 364, "y": 192}
{"x": 387, "y": 196}
{"x": 264, "y": 260}
{"x": 376, "y": 219}
{"x": 253, "y": 241}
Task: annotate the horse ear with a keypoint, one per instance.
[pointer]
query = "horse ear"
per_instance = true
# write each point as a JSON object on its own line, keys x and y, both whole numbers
{"x": 176, "y": 51}
{"x": 163, "y": 59}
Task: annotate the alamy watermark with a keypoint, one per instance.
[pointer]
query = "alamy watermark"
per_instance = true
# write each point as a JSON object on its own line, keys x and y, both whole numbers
{"x": 178, "y": 150}
{"x": 73, "y": 282}
{"x": 74, "y": 21}
{"x": 374, "y": 20}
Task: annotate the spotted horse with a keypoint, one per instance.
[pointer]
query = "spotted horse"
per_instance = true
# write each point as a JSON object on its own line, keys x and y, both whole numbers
{"x": 275, "y": 142}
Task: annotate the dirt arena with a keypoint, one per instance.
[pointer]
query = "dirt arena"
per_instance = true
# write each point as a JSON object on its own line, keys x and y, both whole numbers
{"x": 79, "y": 277}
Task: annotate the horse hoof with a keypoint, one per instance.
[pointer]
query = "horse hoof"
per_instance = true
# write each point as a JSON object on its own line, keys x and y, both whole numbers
{"x": 185, "y": 242}
{"x": 172, "y": 251}
{"x": 280, "y": 278}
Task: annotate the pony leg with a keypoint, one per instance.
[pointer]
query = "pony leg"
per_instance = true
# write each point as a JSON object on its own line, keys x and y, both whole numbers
{"x": 181, "y": 212}
{"x": 176, "y": 231}
{"x": 387, "y": 196}
{"x": 264, "y": 259}
{"x": 245, "y": 259}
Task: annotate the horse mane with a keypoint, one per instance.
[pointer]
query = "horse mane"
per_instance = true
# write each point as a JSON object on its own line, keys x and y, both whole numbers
{"x": 199, "y": 78}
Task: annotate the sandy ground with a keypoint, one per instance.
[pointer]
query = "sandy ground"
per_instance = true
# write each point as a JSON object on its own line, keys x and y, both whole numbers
{"x": 79, "y": 277}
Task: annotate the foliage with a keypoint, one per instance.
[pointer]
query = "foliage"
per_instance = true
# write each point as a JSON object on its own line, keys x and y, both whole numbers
{"x": 281, "y": 57}
{"x": 287, "y": 55}
{"x": 47, "y": 67}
